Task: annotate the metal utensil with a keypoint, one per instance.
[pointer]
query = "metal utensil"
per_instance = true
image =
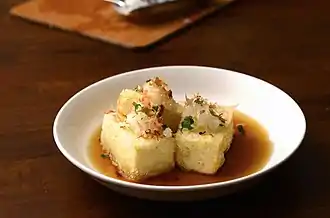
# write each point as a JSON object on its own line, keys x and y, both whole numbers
{"x": 127, "y": 7}
{"x": 118, "y": 3}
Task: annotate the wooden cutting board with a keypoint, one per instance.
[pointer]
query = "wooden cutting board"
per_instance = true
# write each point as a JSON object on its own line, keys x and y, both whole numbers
{"x": 97, "y": 19}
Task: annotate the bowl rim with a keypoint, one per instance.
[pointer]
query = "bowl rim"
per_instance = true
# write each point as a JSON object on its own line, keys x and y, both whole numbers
{"x": 99, "y": 176}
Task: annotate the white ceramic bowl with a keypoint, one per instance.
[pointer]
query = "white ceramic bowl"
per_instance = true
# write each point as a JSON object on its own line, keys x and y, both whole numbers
{"x": 274, "y": 109}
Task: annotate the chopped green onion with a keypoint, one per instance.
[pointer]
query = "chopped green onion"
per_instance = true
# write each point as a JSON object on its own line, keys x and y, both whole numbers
{"x": 187, "y": 123}
{"x": 155, "y": 108}
{"x": 104, "y": 156}
{"x": 137, "y": 107}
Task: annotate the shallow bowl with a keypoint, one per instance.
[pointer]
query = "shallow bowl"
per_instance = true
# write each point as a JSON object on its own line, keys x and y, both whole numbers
{"x": 275, "y": 110}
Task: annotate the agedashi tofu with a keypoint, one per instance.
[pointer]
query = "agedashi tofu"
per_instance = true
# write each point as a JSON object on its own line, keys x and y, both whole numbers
{"x": 149, "y": 133}
{"x": 204, "y": 136}
{"x": 141, "y": 145}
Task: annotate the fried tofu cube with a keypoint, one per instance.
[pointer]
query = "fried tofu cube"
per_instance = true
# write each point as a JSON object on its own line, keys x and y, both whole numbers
{"x": 202, "y": 153}
{"x": 204, "y": 136}
{"x": 136, "y": 158}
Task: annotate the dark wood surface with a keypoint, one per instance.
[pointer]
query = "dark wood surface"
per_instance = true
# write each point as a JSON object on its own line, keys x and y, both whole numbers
{"x": 284, "y": 42}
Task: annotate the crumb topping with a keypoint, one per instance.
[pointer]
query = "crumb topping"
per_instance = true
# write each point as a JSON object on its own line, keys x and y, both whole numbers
{"x": 146, "y": 120}
{"x": 204, "y": 117}
{"x": 145, "y": 115}
{"x": 157, "y": 90}
{"x": 141, "y": 109}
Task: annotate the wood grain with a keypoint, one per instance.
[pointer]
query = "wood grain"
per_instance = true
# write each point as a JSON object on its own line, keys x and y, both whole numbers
{"x": 283, "y": 42}
{"x": 98, "y": 19}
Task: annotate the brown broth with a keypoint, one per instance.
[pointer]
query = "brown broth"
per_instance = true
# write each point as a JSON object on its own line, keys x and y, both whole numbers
{"x": 248, "y": 154}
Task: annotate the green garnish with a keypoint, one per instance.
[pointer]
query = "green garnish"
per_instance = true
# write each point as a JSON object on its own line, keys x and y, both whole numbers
{"x": 155, "y": 108}
{"x": 187, "y": 123}
{"x": 137, "y": 107}
{"x": 138, "y": 89}
{"x": 240, "y": 129}
{"x": 104, "y": 156}
{"x": 148, "y": 80}
{"x": 199, "y": 100}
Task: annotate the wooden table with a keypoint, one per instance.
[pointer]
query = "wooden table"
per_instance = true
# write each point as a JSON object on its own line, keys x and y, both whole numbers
{"x": 284, "y": 42}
